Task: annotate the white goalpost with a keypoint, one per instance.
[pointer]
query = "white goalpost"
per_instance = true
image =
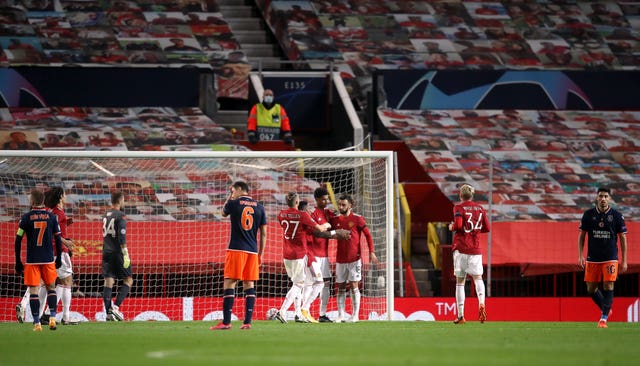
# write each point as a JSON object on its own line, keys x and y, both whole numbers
{"x": 176, "y": 234}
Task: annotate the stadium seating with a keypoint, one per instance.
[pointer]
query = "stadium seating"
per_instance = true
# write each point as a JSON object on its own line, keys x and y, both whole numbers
{"x": 369, "y": 35}
{"x": 118, "y": 32}
{"x": 145, "y": 128}
{"x": 535, "y": 178}
{"x": 136, "y": 129}
{"x": 141, "y": 33}
{"x": 546, "y": 164}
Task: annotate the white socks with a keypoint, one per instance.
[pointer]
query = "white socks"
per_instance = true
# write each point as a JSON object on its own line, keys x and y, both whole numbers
{"x": 341, "y": 299}
{"x": 292, "y": 295}
{"x": 306, "y": 293}
{"x": 24, "y": 303}
{"x": 460, "y": 297}
{"x": 314, "y": 291}
{"x": 355, "y": 302}
{"x": 480, "y": 290}
{"x": 42, "y": 296}
{"x": 324, "y": 300}
{"x": 64, "y": 294}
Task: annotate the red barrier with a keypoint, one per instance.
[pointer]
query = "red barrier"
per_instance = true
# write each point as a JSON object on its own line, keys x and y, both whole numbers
{"x": 625, "y": 309}
{"x": 538, "y": 247}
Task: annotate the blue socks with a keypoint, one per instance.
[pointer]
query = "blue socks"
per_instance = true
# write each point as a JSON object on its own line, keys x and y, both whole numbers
{"x": 598, "y": 298}
{"x": 606, "y": 304}
{"x": 52, "y": 301}
{"x": 34, "y": 305}
{"x": 250, "y": 301}
{"x": 227, "y": 305}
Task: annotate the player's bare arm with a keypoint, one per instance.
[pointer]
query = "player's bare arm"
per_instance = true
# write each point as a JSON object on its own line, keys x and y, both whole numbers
{"x": 374, "y": 258}
{"x": 623, "y": 248}
{"x": 68, "y": 243}
{"x": 263, "y": 241}
{"x": 372, "y": 255}
{"x": 581, "y": 260}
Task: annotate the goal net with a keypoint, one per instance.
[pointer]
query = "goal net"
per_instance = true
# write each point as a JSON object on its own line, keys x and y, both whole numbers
{"x": 176, "y": 234}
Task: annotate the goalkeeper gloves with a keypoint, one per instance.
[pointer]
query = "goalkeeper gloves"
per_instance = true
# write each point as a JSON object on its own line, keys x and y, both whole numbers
{"x": 19, "y": 266}
{"x": 252, "y": 136}
{"x": 58, "y": 261}
{"x": 126, "y": 261}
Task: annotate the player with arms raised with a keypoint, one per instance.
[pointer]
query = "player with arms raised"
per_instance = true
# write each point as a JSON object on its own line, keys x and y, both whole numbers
{"x": 469, "y": 220}
{"x": 348, "y": 253}
{"x": 41, "y": 228}
{"x": 115, "y": 257}
{"x": 243, "y": 256}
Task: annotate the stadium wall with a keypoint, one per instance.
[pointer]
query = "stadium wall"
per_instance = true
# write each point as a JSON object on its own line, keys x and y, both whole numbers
{"x": 100, "y": 87}
{"x": 625, "y": 309}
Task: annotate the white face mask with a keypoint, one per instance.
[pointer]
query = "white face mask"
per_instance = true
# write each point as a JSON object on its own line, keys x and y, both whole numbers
{"x": 268, "y": 99}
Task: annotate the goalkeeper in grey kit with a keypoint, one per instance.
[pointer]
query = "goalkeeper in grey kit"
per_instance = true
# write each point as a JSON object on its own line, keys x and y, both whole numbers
{"x": 116, "y": 263}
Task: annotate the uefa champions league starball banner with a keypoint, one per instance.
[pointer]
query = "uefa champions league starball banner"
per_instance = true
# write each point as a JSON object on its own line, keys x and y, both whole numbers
{"x": 508, "y": 89}
{"x": 99, "y": 87}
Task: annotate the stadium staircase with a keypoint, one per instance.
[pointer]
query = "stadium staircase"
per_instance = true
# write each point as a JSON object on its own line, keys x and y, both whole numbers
{"x": 259, "y": 45}
{"x": 251, "y": 32}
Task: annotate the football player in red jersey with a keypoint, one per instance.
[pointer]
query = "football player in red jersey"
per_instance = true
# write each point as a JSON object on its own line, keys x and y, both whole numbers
{"x": 296, "y": 225}
{"x": 319, "y": 246}
{"x": 469, "y": 220}
{"x": 348, "y": 256}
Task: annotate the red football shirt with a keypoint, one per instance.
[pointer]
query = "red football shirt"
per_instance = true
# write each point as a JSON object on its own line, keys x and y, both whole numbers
{"x": 320, "y": 246}
{"x": 62, "y": 222}
{"x": 295, "y": 225}
{"x": 469, "y": 220}
{"x": 349, "y": 250}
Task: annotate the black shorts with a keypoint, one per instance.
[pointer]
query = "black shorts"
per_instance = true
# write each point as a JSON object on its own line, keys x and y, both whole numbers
{"x": 112, "y": 266}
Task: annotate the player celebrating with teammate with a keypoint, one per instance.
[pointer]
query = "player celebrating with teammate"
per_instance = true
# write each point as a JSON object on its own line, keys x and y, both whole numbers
{"x": 348, "y": 253}
{"x": 319, "y": 246}
{"x": 243, "y": 256}
{"x": 604, "y": 226}
{"x": 469, "y": 220}
{"x": 115, "y": 257}
{"x": 296, "y": 224}
{"x": 41, "y": 228}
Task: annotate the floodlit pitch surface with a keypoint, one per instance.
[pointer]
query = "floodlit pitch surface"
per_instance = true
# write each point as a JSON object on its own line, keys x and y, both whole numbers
{"x": 364, "y": 343}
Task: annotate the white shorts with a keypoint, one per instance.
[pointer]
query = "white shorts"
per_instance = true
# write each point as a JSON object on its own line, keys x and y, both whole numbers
{"x": 66, "y": 269}
{"x": 325, "y": 267}
{"x": 296, "y": 269}
{"x": 464, "y": 264}
{"x": 313, "y": 273}
{"x": 349, "y": 272}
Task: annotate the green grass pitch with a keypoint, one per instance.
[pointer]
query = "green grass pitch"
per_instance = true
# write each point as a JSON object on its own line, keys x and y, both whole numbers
{"x": 364, "y": 343}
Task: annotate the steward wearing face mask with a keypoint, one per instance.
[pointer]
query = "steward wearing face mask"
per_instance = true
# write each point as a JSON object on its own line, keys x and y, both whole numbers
{"x": 268, "y": 121}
